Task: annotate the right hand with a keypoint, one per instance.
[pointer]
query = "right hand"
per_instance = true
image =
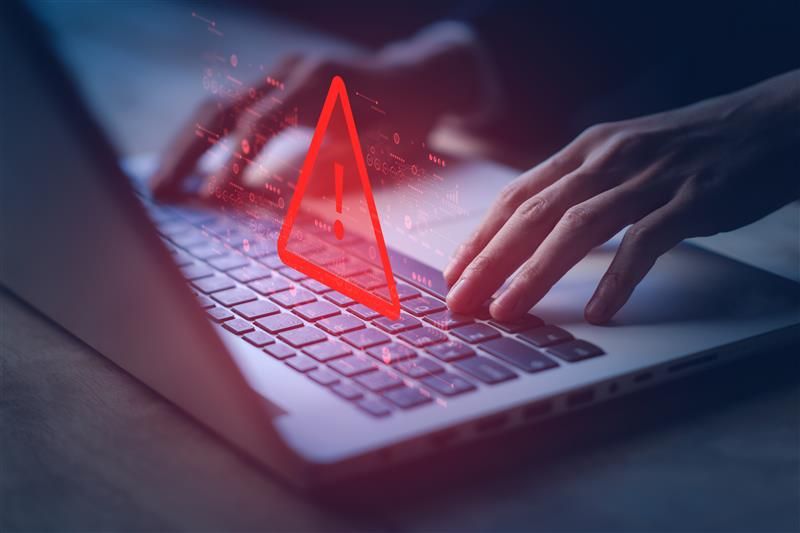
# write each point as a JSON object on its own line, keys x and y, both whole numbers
{"x": 433, "y": 74}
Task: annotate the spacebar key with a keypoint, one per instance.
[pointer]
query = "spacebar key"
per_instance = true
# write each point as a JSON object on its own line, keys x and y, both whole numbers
{"x": 520, "y": 355}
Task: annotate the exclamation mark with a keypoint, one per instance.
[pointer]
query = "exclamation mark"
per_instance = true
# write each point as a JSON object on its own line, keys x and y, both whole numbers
{"x": 338, "y": 176}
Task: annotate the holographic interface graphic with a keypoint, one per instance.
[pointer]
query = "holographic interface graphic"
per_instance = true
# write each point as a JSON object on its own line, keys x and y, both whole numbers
{"x": 332, "y": 235}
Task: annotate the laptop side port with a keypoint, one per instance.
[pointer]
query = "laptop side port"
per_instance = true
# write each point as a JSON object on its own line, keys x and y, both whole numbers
{"x": 697, "y": 361}
{"x": 491, "y": 423}
{"x": 581, "y": 397}
{"x": 641, "y": 378}
{"x": 443, "y": 438}
{"x": 537, "y": 410}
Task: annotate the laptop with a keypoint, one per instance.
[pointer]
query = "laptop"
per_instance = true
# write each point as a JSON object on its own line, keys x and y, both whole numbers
{"x": 308, "y": 382}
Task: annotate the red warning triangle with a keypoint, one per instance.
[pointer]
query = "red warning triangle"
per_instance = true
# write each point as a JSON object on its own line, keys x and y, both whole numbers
{"x": 388, "y": 307}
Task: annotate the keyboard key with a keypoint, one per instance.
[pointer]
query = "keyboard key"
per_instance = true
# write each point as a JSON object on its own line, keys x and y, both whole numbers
{"x": 378, "y": 381}
{"x": 518, "y": 354}
{"x": 404, "y": 292}
{"x": 257, "y": 249}
{"x": 323, "y": 376}
{"x": 189, "y": 238}
{"x": 236, "y": 296}
{"x": 405, "y": 322}
{"x": 180, "y": 258}
{"x": 270, "y": 286}
{"x": 207, "y": 250}
{"x": 476, "y": 333}
{"x": 213, "y": 284}
{"x": 238, "y": 326}
{"x": 364, "y": 312}
{"x": 293, "y": 298}
{"x": 407, "y": 397}
{"x": 306, "y": 246}
{"x": 259, "y": 338}
{"x": 292, "y": 274}
{"x": 279, "y": 351}
{"x": 316, "y": 310}
{"x": 365, "y": 338}
{"x": 301, "y": 363}
{"x": 328, "y": 350}
{"x": 348, "y": 391}
{"x": 315, "y": 286}
{"x": 327, "y": 256}
{"x": 368, "y": 280}
{"x": 485, "y": 369}
{"x": 374, "y": 406}
{"x": 272, "y": 261}
{"x": 219, "y": 314}
{"x": 336, "y": 325}
{"x": 196, "y": 271}
{"x": 196, "y": 216}
{"x": 205, "y": 302}
{"x": 546, "y": 336}
{"x": 249, "y": 273}
{"x": 353, "y": 365}
{"x": 448, "y": 320}
{"x": 423, "y": 305}
{"x": 339, "y": 299}
{"x": 174, "y": 227}
{"x": 256, "y": 309}
{"x": 349, "y": 268}
{"x": 422, "y": 337}
{"x": 448, "y": 384}
{"x": 575, "y": 350}
{"x": 229, "y": 261}
{"x": 419, "y": 367}
{"x": 302, "y": 336}
{"x": 277, "y": 323}
{"x": 392, "y": 352}
{"x": 451, "y": 351}
{"x": 521, "y": 324}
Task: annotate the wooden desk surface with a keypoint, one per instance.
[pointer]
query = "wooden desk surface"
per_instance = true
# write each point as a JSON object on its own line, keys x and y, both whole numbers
{"x": 84, "y": 446}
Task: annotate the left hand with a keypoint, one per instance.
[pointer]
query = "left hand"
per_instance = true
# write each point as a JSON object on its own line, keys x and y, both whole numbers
{"x": 710, "y": 167}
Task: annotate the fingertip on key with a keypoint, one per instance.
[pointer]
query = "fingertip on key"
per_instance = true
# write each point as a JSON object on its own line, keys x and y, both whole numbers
{"x": 506, "y": 308}
{"x": 458, "y": 298}
{"x": 596, "y": 312}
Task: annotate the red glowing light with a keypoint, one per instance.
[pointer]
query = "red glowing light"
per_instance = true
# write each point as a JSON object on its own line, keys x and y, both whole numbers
{"x": 389, "y": 308}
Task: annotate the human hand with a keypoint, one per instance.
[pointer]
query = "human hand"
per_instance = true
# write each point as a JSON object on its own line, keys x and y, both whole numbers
{"x": 699, "y": 170}
{"x": 432, "y": 74}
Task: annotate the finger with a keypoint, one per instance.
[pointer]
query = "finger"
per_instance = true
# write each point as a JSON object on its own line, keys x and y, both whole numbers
{"x": 641, "y": 246}
{"x": 216, "y": 118}
{"x": 519, "y": 238}
{"x": 180, "y": 158}
{"x": 267, "y": 118}
{"x": 241, "y": 151}
{"x": 582, "y": 227}
{"x": 512, "y": 196}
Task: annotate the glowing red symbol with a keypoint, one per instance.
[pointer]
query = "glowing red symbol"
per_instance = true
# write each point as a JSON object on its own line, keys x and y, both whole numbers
{"x": 338, "y": 176}
{"x": 388, "y": 307}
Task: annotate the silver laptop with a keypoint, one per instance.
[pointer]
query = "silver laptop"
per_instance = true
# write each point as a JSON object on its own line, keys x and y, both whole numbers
{"x": 313, "y": 385}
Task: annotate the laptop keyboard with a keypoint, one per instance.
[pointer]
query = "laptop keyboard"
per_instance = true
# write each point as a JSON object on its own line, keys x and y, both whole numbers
{"x": 379, "y": 365}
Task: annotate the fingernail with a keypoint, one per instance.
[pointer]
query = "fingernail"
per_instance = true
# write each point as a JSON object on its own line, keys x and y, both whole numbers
{"x": 457, "y": 294}
{"x": 447, "y": 272}
{"x": 596, "y": 310}
{"x": 508, "y": 306}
